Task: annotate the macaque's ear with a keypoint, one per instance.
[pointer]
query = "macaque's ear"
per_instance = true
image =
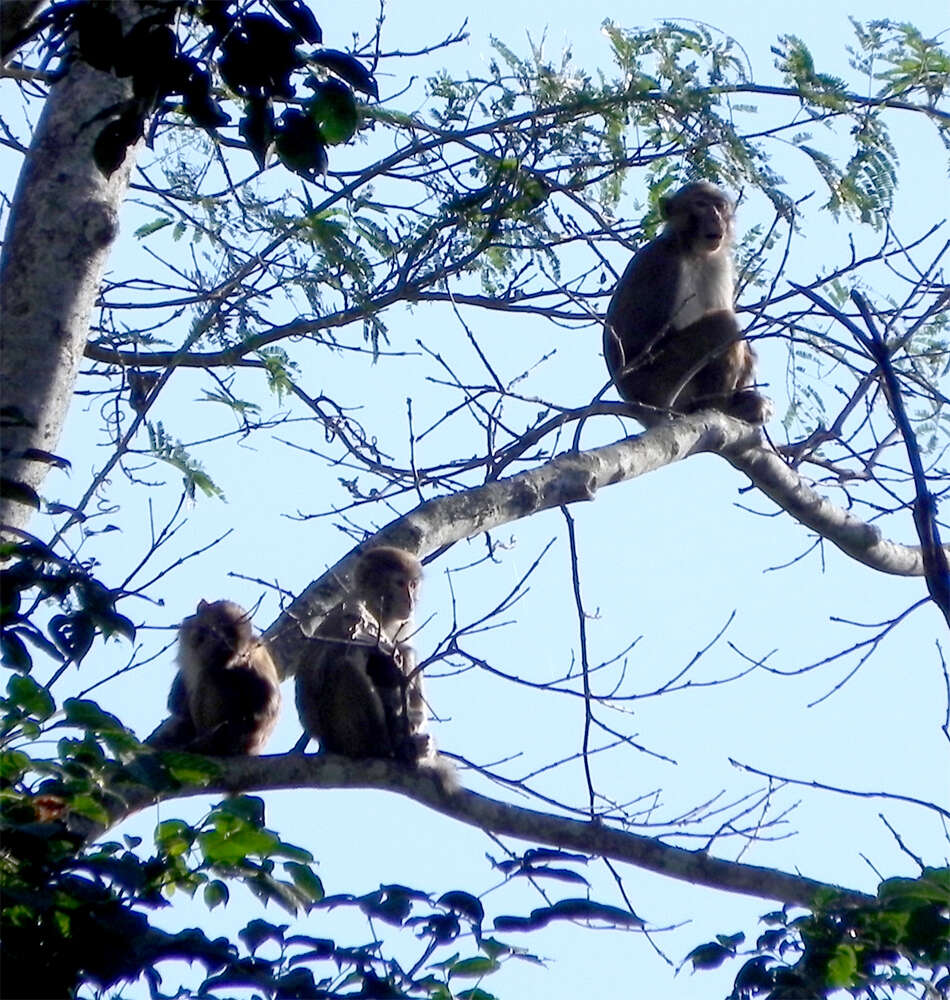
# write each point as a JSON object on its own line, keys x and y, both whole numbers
{"x": 665, "y": 207}
{"x": 202, "y": 604}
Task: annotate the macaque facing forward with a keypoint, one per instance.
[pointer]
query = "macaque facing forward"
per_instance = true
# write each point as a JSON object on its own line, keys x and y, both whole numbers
{"x": 225, "y": 699}
{"x": 360, "y": 694}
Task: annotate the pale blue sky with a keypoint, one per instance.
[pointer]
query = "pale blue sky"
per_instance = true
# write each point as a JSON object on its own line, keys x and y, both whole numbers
{"x": 647, "y": 548}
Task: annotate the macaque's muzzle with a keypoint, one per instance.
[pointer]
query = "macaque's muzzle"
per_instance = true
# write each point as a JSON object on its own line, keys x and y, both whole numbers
{"x": 712, "y": 240}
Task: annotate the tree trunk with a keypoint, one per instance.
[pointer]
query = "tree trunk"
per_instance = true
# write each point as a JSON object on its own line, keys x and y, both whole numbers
{"x": 63, "y": 222}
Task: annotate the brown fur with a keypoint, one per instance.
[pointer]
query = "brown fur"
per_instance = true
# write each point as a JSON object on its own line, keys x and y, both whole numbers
{"x": 225, "y": 699}
{"x": 671, "y": 339}
{"x": 360, "y": 694}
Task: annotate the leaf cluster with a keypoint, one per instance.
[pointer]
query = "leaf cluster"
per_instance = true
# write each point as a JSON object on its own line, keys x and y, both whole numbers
{"x": 191, "y": 58}
{"x": 524, "y": 162}
{"x": 899, "y": 941}
{"x": 33, "y": 575}
{"x": 72, "y": 914}
{"x": 76, "y": 913}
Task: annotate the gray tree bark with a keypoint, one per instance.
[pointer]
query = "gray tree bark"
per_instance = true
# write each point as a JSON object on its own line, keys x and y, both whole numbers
{"x": 62, "y": 224}
{"x": 298, "y": 771}
{"x": 573, "y": 477}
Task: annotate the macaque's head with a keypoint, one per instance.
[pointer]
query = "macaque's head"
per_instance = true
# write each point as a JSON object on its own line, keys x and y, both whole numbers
{"x": 216, "y": 630}
{"x": 387, "y": 580}
{"x": 700, "y": 217}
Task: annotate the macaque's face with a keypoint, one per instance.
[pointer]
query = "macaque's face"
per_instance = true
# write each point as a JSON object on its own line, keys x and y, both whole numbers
{"x": 710, "y": 221}
{"x": 702, "y": 216}
{"x": 219, "y": 627}
{"x": 388, "y": 580}
{"x": 399, "y": 595}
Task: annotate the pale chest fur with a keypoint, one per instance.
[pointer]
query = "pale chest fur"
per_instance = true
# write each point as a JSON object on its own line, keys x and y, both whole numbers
{"x": 706, "y": 284}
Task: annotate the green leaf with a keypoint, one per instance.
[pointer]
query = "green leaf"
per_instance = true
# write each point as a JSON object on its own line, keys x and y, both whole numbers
{"x": 47, "y": 457}
{"x": 546, "y": 871}
{"x": 13, "y": 489}
{"x": 216, "y": 893}
{"x": 349, "y": 69}
{"x": 389, "y": 116}
{"x": 88, "y": 715}
{"x": 731, "y": 941}
{"x": 333, "y": 108}
{"x": 588, "y": 909}
{"x": 297, "y": 15}
{"x": 189, "y": 768}
{"x": 13, "y": 765}
{"x": 229, "y": 848}
{"x": 259, "y": 931}
{"x": 257, "y": 127}
{"x": 464, "y": 903}
{"x": 495, "y": 948}
{"x": 569, "y": 909}
{"x": 278, "y": 367}
{"x": 111, "y": 623}
{"x": 299, "y": 144}
{"x": 167, "y": 449}
{"x": 240, "y": 406}
{"x": 152, "y": 227}
{"x": 87, "y": 806}
{"x": 842, "y": 967}
{"x": 174, "y": 836}
{"x": 473, "y": 968}
{"x": 29, "y": 696}
{"x": 933, "y": 886}
{"x": 393, "y": 904}
{"x": 269, "y": 889}
{"x": 291, "y": 851}
{"x": 305, "y": 880}
{"x": 247, "y": 807}
{"x": 14, "y": 652}
{"x": 709, "y": 956}
{"x": 74, "y": 633}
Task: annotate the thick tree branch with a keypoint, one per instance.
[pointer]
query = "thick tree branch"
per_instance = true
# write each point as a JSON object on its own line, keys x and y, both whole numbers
{"x": 856, "y": 538}
{"x": 576, "y": 476}
{"x": 300, "y": 771}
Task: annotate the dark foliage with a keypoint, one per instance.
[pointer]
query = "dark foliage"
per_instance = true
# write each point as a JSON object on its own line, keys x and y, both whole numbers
{"x": 902, "y": 939}
{"x": 252, "y": 58}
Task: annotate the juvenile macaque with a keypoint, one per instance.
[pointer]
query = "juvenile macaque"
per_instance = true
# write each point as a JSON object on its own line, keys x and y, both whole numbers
{"x": 360, "y": 694}
{"x": 225, "y": 698}
{"x": 671, "y": 339}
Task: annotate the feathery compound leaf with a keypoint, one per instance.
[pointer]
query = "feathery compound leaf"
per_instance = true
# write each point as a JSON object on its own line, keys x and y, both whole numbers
{"x": 173, "y": 453}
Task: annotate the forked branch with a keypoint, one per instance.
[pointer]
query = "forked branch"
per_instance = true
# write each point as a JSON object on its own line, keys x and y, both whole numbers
{"x": 575, "y": 476}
